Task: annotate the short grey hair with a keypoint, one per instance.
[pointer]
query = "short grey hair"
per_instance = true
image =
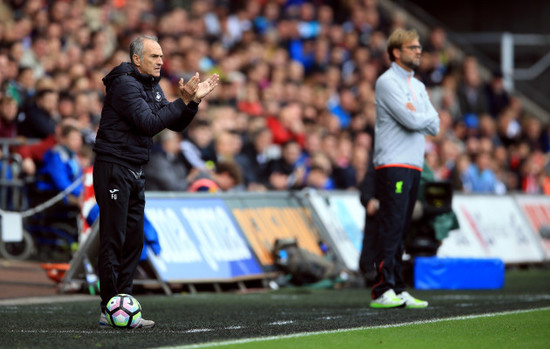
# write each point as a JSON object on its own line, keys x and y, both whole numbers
{"x": 136, "y": 46}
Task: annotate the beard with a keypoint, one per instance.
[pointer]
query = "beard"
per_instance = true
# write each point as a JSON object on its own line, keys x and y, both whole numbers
{"x": 412, "y": 63}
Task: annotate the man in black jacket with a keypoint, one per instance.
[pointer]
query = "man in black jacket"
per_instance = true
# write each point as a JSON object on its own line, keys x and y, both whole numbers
{"x": 135, "y": 109}
{"x": 38, "y": 120}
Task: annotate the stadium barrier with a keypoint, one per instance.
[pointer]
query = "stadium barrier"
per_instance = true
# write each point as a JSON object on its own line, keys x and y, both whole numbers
{"x": 495, "y": 227}
{"x": 228, "y": 237}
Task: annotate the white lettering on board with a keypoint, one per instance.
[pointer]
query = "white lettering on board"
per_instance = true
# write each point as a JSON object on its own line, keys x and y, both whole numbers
{"x": 175, "y": 242}
{"x": 216, "y": 233}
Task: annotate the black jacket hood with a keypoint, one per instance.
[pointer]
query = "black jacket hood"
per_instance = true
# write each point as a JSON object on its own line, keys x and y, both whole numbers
{"x": 126, "y": 68}
{"x": 134, "y": 110}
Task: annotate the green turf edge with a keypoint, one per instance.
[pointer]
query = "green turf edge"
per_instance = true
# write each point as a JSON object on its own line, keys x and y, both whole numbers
{"x": 516, "y": 329}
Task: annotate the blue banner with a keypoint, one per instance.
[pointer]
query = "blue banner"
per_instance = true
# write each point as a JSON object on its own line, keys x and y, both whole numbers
{"x": 348, "y": 210}
{"x": 199, "y": 240}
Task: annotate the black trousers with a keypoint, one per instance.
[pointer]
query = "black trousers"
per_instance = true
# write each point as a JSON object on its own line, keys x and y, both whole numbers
{"x": 397, "y": 190}
{"x": 367, "y": 259}
{"x": 120, "y": 194}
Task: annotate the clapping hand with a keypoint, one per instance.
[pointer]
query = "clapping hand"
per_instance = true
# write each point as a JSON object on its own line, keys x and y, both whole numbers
{"x": 206, "y": 87}
{"x": 194, "y": 90}
{"x": 189, "y": 89}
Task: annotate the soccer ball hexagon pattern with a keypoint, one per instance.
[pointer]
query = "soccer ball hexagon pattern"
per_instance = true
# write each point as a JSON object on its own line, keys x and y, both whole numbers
{"x": 123, "y": 311}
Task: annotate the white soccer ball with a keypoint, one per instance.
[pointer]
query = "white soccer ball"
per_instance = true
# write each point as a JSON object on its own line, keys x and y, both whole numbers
{"x": 123, "y": 311}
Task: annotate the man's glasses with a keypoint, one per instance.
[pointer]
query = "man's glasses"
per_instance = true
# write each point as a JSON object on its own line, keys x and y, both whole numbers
{"x": 413, "y": 47}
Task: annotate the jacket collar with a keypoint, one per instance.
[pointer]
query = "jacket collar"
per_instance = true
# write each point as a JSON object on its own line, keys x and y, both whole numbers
{"x": 144, "y": 78}
{"x": 127, "y": 68}
{"x": 400, "y": 71}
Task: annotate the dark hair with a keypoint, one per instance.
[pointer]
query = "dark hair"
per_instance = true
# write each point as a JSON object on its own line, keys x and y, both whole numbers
{"x": 199, "y": 123}
{"x": 232, "y": 169}
{"x": 7, "y": 99}
{"x": 67, "y": 129}
{"x": 254, "y": 135}
{"x": 42, "y": 93}
{"x": 23, "y": 68}
{"x": 289, "y": 142}
{"x": 136, "y": 46}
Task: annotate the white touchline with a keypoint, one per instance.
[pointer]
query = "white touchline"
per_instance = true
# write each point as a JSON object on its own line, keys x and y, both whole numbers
{"x": 306, "y": 334}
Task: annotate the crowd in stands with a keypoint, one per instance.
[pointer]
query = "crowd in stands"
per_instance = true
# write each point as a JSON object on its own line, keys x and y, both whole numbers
{"x": 295, "y": 107}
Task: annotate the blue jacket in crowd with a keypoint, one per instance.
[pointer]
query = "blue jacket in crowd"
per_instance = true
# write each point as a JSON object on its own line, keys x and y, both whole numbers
{"x": 61, "y": 168}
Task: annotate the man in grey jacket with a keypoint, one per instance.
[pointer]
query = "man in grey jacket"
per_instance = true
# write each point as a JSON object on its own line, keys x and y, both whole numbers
{"x": 404, "y": 116}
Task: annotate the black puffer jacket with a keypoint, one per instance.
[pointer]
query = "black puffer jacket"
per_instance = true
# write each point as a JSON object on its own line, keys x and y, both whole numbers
{"x": 135, "y": 109}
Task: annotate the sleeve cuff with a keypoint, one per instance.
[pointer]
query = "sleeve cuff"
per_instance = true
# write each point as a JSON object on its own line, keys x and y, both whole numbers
{"x": 193, "y": 105}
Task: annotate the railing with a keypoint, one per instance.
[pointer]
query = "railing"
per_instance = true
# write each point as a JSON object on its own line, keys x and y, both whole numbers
{"x": 508, "y": 42}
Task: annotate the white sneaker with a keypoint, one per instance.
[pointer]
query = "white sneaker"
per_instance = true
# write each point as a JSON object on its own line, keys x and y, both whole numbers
{"x": 387, "y": 300}
{"x": 104, "y": 322}
{"x": 145, "y": 324}
{"x": 411, "y": 302}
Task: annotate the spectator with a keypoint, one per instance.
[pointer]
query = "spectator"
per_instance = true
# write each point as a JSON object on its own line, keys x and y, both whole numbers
{"x": 166, "y": 170}
{"x": 66, "y": 105}
{"x": 497, "y": 96}
{"x": 428, "y": 71}
{"x": 253, "y": 159}
{"x": 283, "y": 173}
{"x": 312, "y": 147}
{"x": 38, "y": 120}
{"x": 8, "y": 114}
{"x": 227, "y": 145}
{"x": 362, "y": 147}
{"x": 472, "y": 96}
{"x": 319, "y": 174}
{"x": 532, "y": 133}
{"x": 508, "y": 127}
{"x": 344, "y": 173}
{"x": 479, "y": 177}
{"x": 226, "y": 177}
{"x": 317, "y": 178}
{"x": 22, "y": 88}
{"x": 532, "y": 173}
{"x": 32, "y": 155}
{"x": 197, "y": 147}
{"x": 61, "y": 166}
{"x": 288, "y": 125}
{"x": 445, "y": 55}
{"x": 488, "y": 129}
{"x": 458, "y": 172}
{"x": 344, "y": 107}
{"x": 250, "y": 102}
{"x": 34, "y": 55}
{"x": 445, "y": 96}
{"x": 449, "y": 153}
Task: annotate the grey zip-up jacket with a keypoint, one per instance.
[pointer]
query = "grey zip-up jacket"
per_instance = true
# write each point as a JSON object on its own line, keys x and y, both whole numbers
{"x": 399, "y": 132}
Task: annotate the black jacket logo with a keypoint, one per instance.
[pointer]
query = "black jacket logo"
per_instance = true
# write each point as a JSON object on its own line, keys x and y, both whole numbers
{"x": 158, "y": 97}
